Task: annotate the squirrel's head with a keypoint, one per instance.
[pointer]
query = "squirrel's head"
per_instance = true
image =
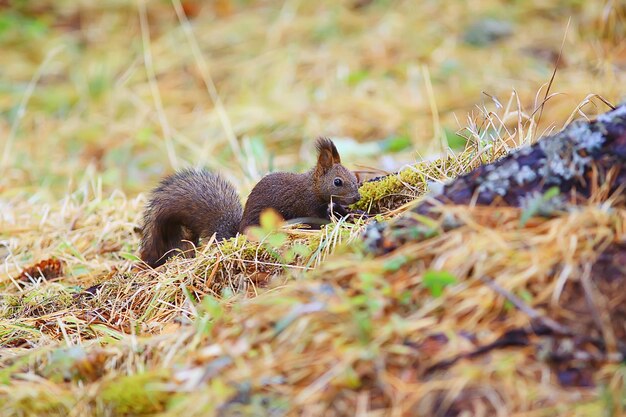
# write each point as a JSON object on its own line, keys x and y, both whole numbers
{"x": 333, "y": 181}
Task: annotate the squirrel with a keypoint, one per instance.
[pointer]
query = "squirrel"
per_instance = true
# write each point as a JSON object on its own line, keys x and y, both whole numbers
{"x": 196, "y": 203}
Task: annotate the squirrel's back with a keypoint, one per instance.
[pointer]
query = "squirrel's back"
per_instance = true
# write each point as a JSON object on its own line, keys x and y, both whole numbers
{"x": 290, "y": 195}
{"x": 187, "y": 206}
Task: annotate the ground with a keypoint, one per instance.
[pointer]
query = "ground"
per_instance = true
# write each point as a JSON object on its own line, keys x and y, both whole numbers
{"x": 99, "y": 100}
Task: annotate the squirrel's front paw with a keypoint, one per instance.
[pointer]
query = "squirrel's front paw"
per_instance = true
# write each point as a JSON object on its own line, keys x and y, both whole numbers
{"x": 357, "y": 214}
{"x": 337, "y": 210}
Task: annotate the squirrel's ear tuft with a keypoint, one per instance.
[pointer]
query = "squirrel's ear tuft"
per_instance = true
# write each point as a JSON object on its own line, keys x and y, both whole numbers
{"x": 327, "y": 154}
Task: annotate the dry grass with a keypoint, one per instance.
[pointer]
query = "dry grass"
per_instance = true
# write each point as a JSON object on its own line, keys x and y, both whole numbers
{"x": 244, "y": 329}
{"x": 357, "y": 333}
{"x": 304, "y": 322}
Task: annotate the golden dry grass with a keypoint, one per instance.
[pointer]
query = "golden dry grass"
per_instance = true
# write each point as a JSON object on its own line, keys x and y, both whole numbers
{"x": 358, "y": 333}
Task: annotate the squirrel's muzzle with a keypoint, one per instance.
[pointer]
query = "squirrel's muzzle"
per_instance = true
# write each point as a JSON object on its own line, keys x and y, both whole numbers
{"x": 351, "y": 199}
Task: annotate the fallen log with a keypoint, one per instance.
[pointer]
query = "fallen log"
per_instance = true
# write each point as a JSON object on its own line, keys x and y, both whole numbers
{"x": 586, "y": 161}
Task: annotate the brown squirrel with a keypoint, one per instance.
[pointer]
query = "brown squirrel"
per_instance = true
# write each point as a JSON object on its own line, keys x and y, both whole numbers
{"x": 194, "y": 204}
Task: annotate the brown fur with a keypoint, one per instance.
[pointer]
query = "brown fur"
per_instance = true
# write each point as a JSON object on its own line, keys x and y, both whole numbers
{"x": 195, "y": 204}
{"x": 185, "y": 207}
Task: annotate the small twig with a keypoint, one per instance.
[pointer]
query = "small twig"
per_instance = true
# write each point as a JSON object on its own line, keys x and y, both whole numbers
{"x": 592, "y": 298}
{"x": 526, "y": 309}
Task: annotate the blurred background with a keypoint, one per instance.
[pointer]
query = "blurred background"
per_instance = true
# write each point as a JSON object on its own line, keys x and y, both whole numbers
{"x": 121, "y": 92}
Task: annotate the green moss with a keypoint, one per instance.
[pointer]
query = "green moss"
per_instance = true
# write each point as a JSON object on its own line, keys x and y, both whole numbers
{"x": 135, "y": 394}
{"x": 374, "y": 191}
{"x": 239, "y": 245}
{"x": 9, "y": 306}
{"x": 38, "y": 401}
{"x": 409, "y": 183}
{"x": 242, "y": 248}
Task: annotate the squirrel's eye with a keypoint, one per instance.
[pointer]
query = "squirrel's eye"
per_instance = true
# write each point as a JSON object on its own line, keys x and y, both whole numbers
{"x": 338, "y": 182}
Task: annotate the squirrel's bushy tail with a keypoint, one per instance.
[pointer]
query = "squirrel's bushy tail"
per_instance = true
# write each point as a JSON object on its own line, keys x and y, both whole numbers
{"x": 187, "y": 206}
